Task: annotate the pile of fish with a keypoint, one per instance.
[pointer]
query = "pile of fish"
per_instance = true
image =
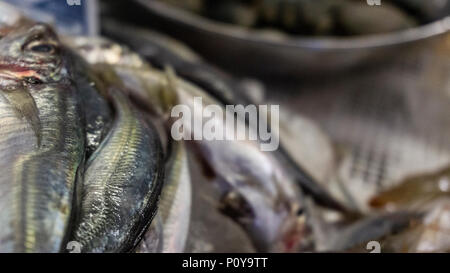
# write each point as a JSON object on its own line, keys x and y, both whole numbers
{"x": 317, "y": 17}
{"x": 87, "y": 160}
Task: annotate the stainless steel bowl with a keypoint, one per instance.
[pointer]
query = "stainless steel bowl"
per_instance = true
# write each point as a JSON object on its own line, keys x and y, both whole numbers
{"x": 254, "y": 53}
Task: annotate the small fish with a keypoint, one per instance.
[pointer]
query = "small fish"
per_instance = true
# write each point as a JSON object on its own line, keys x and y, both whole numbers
{"x": 255, "y": 190}
{"x": 175, "y": 204}
{"x": 153, "y": 47}
{"x": 272, "y": 206}
{"x": 431, "y": 234}
{"x": 122, "y": 183}
{"x": 42, "y": 141}
{"x": 211, "y": 231}
{"x": 354, "y": 235}
{"x": 153, "y": 239}
{"x": 428, "y": 194}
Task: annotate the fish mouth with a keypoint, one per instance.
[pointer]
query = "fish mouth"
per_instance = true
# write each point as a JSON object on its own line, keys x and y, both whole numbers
{"x": 16, "y": 72}
{"x": 17, "y": 75}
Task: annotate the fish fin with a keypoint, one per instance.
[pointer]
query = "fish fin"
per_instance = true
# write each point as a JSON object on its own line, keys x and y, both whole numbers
{"x": 25, "y": 107}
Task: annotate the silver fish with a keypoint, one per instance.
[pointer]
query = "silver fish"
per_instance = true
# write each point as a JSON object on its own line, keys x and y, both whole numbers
{"x": 430, "y": 235}
{"x": 255, "y": 190}
{"x": 211, "y": 231}
{"x": 93, "y": 95}
{"x": 153, "y": 240}
{"x": 353, "y": 236}
{"x": 175, "y": 204}
{"x": 122, "y": 183}
{"x": 253, "y": 185}
{"x": 162, "y": 51}
{"x": 42, "y": 141}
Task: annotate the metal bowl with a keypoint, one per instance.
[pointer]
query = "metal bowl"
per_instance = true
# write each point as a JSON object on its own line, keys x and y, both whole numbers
{"x": 251, "y": 52}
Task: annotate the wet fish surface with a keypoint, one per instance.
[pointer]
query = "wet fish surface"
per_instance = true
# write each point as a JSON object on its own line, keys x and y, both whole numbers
{"x": 121, "y": 184}
{"x": 42, "y": 141}
{"x": 175, "y": 205}
{"x": 218, "y": 85}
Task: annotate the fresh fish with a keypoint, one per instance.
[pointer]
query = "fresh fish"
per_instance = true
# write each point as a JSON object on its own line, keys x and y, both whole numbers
{"x": 354, "y": 236}
{"x": 428, "y": 194}
{"x": 42, "y": 140}
{"x": 252, "y": 182}
{"x": 122, "y": 183}
{"x": 174, "y": 207}
{"x": 216, "y": 83}
{"x": 175, "y": 204}
{"x": 255, "y": 191}
{"x": 93, "y": 95}
{"x": 431, "y": 234}
{"x": 210, "y": 231}
{"x": 152, "y": 241}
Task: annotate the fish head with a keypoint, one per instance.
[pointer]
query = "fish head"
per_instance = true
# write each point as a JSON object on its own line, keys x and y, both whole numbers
{"x": 31, "y": 54}
{"x": 273, "y": 224}
{"x": 257, "y": 194}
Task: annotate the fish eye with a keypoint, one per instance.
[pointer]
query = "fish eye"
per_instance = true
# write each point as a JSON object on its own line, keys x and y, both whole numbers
{"x": 43, "y": 48}
{"x": 40, "y": 45}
